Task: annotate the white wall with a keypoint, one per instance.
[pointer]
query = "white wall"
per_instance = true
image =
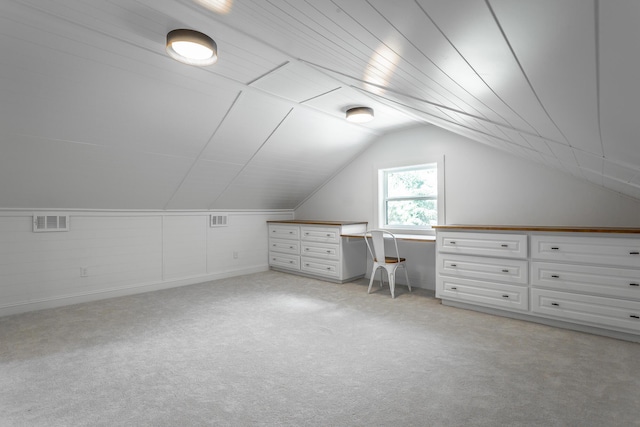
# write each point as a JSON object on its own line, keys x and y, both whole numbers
{"x": 124, "y": 253}
{"x": 483, "y": 186}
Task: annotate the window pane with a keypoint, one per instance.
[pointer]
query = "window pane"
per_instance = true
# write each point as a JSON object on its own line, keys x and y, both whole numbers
{"x": 412, "y": 212}
{"x": 412, "y": 183}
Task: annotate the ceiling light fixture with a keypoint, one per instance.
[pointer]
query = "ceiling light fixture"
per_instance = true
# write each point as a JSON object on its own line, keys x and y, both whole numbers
{"x": 360, "y": 114}
{"x": 192, "y": 47}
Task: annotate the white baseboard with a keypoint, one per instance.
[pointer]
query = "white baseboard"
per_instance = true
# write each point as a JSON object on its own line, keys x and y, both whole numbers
{"x": 60, "y": 301}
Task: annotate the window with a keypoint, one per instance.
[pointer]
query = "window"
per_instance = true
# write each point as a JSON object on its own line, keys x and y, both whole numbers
{"x": 408, "y": 197}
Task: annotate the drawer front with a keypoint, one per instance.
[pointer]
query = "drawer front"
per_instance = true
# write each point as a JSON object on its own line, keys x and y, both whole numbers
{"x": 320, "y": 267}
{"x": 500, "y": 269}
{"x": 321, "y": 234}
{"x": 500, "y": 295}
{"x": 605, "y": 281}
{"x": 487, "y": 244}
{"x": 284, "y": 231}
{"x": 587, "y": 309}
{"x": 284, "y": 246}
{"x": 590, "y": 250}
{"x": 321, "y": 250}
{"x": 291, "y": 262}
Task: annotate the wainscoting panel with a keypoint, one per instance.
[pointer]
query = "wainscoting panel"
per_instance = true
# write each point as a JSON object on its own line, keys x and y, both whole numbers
{"x": 113, "y": 253}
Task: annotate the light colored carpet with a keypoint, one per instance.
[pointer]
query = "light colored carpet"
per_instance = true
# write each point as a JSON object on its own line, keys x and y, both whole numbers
{"x": 274, "y": 349}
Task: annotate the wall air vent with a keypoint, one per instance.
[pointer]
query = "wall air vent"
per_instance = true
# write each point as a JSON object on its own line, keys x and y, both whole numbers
{"x": 47, "y": 222}
{"x": 219, "y": 220}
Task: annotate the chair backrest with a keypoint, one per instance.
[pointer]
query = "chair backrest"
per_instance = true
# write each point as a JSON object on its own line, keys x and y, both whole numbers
{"x": 377, "y": 239}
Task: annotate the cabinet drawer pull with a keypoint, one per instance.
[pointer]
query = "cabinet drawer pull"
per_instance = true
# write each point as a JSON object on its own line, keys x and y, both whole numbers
{"x": 306, "y": 265}
{"x": 554, "y": 248}
{"x": 452, "y": 243}
{"x": 505, "y": 270}
{"x": 504, "y": 245}
{"x": 555, "y": 276}
{"x": 328, "y": 268}
{"x": 505, "y": 296}
{"x": 290, "y": 247}
{"x": 555, "y": 304}
{"x": 635, "y": 316}
{"x": 634, "y": 284}
{"x": 453, "y": 288}
{"x": 291, "y": 262}
{"x": 329, "y": 235}
{"x": 454, "y": 265}
{"x": 634, "y": 253}
{"x": 328, "y": 251}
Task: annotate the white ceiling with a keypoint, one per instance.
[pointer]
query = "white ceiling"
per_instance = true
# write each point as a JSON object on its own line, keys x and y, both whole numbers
{"x": 94, "y": 114}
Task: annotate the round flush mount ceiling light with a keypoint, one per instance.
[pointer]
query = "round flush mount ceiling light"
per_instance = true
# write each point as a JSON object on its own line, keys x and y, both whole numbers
{"x": 192, "y": 47}
{"x": 360, "y": 114}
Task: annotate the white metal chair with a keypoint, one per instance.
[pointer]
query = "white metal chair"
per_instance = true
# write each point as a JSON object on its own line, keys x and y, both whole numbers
{"x": 381, "y": 261}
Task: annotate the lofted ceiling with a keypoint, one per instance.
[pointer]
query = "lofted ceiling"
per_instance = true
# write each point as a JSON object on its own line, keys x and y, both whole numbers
{"x": 94, "y": 114}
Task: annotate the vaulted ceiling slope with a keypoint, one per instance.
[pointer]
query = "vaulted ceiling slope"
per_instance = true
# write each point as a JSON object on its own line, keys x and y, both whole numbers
{"x": 94, "y": 114}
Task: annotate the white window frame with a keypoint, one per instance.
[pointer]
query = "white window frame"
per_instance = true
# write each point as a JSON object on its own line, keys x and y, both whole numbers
{"x": 381, "y": 198}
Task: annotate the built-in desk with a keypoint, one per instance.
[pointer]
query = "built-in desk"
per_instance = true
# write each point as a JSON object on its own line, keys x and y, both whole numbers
{"x": 412, "y": 237}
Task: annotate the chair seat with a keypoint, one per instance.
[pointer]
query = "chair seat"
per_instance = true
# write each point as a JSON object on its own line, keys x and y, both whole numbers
{"x": 392, "y": 260}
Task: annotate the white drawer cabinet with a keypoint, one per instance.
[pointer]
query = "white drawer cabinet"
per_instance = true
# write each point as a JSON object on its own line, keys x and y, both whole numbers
{"x": 317, "y": 249}
{"x": 485, "y": 244}
{"x": 329, "y": 251}
{"x": 587, "y": 249}
{"x": 321, "y": 234}
{"x": 283, "y": 231}
{"x": 487, "y": 269}
{"x": 597, "y": 311}
{"x": 596, "y": 280}
{"x": 291, "y": 262}
{"x": 492, "y": 269}
{"x": 286, "y": 246}
{"x": 582, "y": 279}
{"x": 490, "y": 294}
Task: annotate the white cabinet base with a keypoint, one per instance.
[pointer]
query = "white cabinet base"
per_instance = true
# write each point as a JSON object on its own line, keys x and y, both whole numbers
{"x": 581, "y": 279}
{"x": 544, "y": 321}
{"x": 316, "y": 249}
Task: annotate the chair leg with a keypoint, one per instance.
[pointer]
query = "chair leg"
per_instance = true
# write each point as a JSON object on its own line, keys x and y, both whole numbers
{"x": 381, "y": 277}
{"x": 406, "y": 275}
{"x": 373, "y": 275}
{"x": 392, "y": 283}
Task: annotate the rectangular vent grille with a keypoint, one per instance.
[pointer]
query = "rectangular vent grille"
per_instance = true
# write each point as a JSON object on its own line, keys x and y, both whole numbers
{"x": 219, "y": 220}
{"x": 50, "y": 223}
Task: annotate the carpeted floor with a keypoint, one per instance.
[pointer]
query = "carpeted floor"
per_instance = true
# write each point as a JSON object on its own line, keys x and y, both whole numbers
{"x": 273, "y": 349}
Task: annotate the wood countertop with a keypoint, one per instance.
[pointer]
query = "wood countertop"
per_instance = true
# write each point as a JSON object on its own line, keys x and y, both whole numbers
{"x": 558, "y": 229}
{"x": 315, "y": 222}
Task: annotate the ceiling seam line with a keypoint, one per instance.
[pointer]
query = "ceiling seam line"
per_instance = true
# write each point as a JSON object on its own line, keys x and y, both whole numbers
{"x": 531, "y": 148}
{"x": 435, "y": 82}
{"x": 267, "y": 73}
{"x": 337, "y": 45}
{"x": 322, "y": 94}
{"x": 250, "y": 159}
{"x": 395, "y": 91}
{"x": 462, "y": 126}
{"x": 438, "y": 68}
{"x": 199, "y": 156}
{"x": 596, "y": 5}
{"x": 455, "y": 111}
{"x": 526, "y": 77}
{"x": 473, "y": 69}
